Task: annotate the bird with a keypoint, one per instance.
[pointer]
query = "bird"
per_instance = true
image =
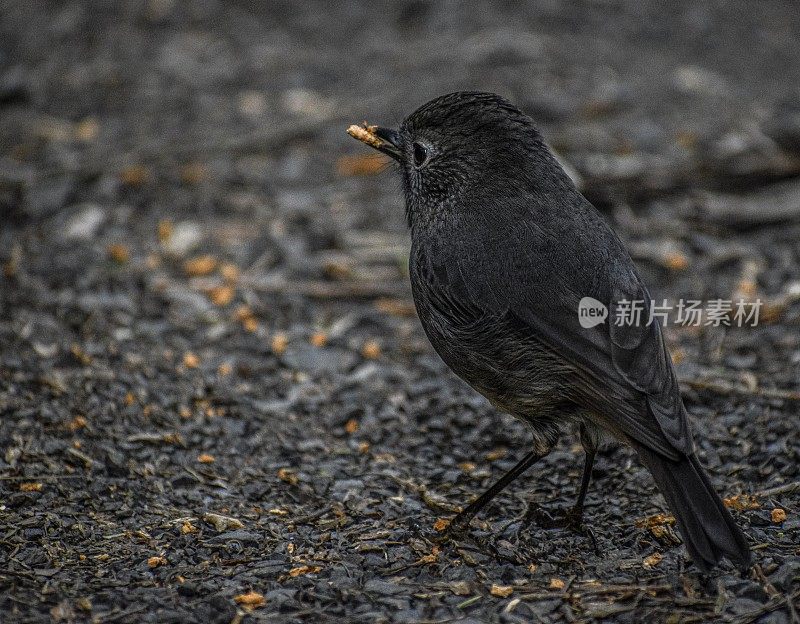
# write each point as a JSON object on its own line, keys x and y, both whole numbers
{"x": 504, "y": 248}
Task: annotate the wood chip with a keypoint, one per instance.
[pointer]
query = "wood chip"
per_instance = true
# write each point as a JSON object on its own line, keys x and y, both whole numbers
{"x": 279, "y": 343}
{"x": 305, "y": 569}
{"x": 30, "y": 487}
{"x": 433, "y": 557}
{"x": 79, "y": 422}
{"x": 135, "y": 175}
{"x": 287, "y": 475}
{"x": 224, "y": 369}
{"x": 200, "y": 266}
{"x": 222, "y": 523}
{"x": 194, "y": 173}
{"x": 655, "y": 520}
{"x": 460, "y": 588}
{"x": 501, "y": 591}
{"x": 205, "y": 458}
{"x": 164, "y": 231}
{"x": 157, "y": 561}
{"x": 742, "y": 502}
{"x": 556, "y": 583}
{"x": 441, "y": 524}
{"x": 653, "y": 560}
{"x": 119, "y": 253}
{"x": 318, "y": 339}
{"x": 371, "y": 350}
{"x": 221, "y": 295}
{"x": 496, "y": 454}
{"x": 251, "y": 599}
{"x": 229, "y": 271}
{"x": 778, "y": 515}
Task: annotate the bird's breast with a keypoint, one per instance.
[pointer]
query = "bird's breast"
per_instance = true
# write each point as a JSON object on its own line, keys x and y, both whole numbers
{"x": 481, "y": 345}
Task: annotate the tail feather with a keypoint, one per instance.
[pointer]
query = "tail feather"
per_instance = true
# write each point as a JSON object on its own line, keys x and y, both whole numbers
{"x": 708, "y": 530}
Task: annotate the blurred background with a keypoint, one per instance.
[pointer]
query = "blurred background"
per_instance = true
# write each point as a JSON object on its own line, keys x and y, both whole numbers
{"x": 204, "y": 301}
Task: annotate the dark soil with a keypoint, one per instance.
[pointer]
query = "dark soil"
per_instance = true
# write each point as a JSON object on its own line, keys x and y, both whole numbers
{"x": 204, "y": 310}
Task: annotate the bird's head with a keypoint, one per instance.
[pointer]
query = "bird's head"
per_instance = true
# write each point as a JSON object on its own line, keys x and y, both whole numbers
{"x": 461, "y": 145}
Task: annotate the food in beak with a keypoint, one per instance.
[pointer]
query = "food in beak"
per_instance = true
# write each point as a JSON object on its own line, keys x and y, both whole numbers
{"x": 366, "y": 134}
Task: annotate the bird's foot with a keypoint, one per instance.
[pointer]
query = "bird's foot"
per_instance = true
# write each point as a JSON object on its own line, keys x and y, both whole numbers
{"x": 570, "y": 519}
{"x": 455, "y": 529}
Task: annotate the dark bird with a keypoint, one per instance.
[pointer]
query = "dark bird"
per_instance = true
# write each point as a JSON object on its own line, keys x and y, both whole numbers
{"x": 504, "y": 248}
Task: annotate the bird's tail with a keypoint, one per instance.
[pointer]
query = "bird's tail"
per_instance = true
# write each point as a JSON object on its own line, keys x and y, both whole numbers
{"x": 708, "y": 530}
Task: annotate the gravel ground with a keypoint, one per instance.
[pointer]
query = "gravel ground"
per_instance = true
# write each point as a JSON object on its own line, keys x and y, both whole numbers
{"x": 217, "y": 403}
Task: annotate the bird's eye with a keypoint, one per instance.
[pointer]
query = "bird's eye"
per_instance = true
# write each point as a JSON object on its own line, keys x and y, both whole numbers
{"x": 420, "y": 154}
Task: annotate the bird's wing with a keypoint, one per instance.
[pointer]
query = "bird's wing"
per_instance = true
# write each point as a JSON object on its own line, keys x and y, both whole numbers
{"x": 624, "y": 371}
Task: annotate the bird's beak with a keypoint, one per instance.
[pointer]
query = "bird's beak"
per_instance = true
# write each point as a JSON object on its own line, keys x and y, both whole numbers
{"x": 384, "y": 140}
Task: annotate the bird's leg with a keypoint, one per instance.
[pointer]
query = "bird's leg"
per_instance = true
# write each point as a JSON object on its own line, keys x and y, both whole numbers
{"x": 590, "y": 449}
{"x": 573, "y": 517}
{"x": 462, "y": 520}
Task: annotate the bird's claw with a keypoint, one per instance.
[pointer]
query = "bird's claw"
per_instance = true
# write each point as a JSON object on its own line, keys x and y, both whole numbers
{"x": 570, "y": 519}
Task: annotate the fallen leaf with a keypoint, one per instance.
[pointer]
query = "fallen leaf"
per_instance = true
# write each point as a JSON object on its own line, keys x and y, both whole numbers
{"x": 190, "y": 360}
{"x": 205, "y": 458}
{"x": 188, "y": 528}
{"x": 30, "y": 487}
{"x": 351, "y": 426}
{"x": 778, "y": 515}
{"x": 156, "y": 561}
{"x": 556, "y": 583}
